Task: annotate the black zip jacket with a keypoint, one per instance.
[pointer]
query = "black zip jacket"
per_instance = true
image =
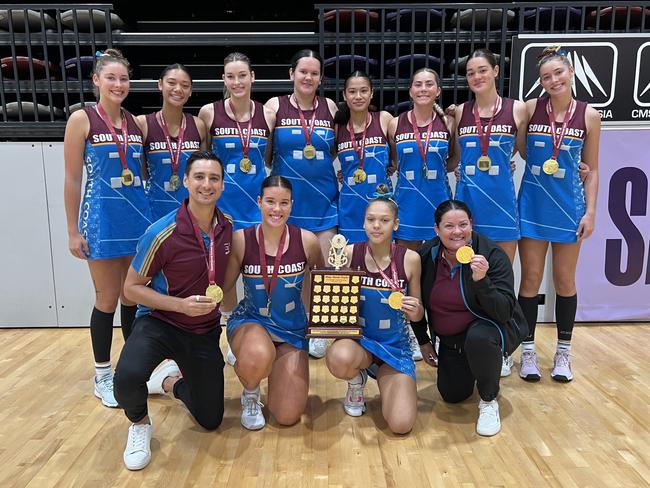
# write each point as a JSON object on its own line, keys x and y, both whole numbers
{"x": 492, "y": 298}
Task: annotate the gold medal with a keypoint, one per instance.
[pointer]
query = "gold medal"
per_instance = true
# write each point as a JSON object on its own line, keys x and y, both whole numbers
{"x": 551, "y": 166}
{"x": 127, "y": 177}
{"x": 464, "y": 254}
{"x": 395, "y": 300}
{"x": 484, "y": 163}
{"x": 174, "y": 183}
{"x": 245, "y": 165}
{"x": 359, "y": 176}
{"x": 309, "y": 151}
{"x": 215, "y": 292}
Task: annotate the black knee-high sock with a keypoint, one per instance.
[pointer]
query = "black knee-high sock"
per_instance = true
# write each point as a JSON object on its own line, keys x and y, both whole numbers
{"x": 127, "y": 314}
{"x": 529, "y": 307}
{"x": 101, "y": 334}
{"x": 565, "y": 316}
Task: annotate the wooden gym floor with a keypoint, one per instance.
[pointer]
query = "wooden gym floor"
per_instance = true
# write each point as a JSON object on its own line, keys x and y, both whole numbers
{"x": 594, "y": 431}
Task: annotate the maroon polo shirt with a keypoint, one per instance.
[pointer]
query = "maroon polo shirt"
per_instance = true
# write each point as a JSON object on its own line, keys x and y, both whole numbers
{"x": 448, "y": 314}
{"x": 171, "y": 255}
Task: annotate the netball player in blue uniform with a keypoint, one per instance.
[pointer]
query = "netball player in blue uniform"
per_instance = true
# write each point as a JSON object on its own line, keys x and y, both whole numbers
{"x": 555, "y": 205}
{"x": 423, "y": 139}
{"x": 363, "y": 151}
{"x": 170, "y": 136}
{"x": 239, "y": 132}
{"x": 390, "y": 295}
{"x": 490, "y": 129}
{"x": 303, "y": 152}
{"x": 105, "y": 227}
{"x": 267, "y": 328}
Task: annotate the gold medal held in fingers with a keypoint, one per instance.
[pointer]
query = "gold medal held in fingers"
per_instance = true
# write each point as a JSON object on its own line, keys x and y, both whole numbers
{"x": 551, "y": 166}
{"x": 309, "y": 151}
{"x": 395, "y": 300}
{"x": 484, "y": 163}
{"x": 174, "y": 183}
{"x": 127, "y": 177}
{"x": 245, "y": 165}
{"x": 215, "y": 292}
{"x": 359, "y": 176}
{"x": 464, "y": 254}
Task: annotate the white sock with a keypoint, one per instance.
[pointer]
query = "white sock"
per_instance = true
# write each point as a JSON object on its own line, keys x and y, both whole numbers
{"x": 103, "y": 369}
{"x": 563, "y": 346}
{"x": 254, "y": 391}
{"x": 528, "y": 346}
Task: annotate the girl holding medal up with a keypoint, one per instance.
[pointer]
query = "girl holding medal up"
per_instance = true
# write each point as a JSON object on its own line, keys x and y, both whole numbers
{"x": 363, "y": 151}
{"x": 170, "y": 136}
{"x": 424, "y": 143}
{"x": 105, "y": 228}
{"x": 390, "y": 297}
{"x": 490, "y": 128}
{"x": 267, "y": 328}
{"x": 554, "y": 203}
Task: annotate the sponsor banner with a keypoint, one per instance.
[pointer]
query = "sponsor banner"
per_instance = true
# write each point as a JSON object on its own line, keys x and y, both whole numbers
{"x": 613, "y": 275}
{"x": 612, "y": 73}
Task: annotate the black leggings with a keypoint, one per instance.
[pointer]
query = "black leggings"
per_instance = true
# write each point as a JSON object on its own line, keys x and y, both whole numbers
{"x": 199, "y": 359}
{"x": 472, "y": 357}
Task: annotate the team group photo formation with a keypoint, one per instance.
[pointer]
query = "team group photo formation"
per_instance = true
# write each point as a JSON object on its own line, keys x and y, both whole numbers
{"x": 327, "y": 283}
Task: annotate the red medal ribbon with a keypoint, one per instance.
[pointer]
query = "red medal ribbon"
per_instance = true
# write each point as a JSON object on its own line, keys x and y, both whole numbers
{"x": 484, "y": 138}
{"x": 174, "y": 156}
{"x": 245, "y": 140}
{"x": 121, "y": 146}
{"x": 418, "y": 137}
{"x": 361, "y": 155}
{"x": 394, "y": 283}
{"x": 270, "y": 284}
{"x": 210, "y": 260}
{"x": 305, "y": 129}
{"x": 557, "y": 139}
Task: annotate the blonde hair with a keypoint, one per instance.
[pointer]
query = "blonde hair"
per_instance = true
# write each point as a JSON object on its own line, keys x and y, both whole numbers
{"x": 107, "y": 57}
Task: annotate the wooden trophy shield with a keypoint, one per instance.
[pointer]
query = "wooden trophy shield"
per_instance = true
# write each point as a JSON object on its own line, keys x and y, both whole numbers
{"x": 335, "y": 297}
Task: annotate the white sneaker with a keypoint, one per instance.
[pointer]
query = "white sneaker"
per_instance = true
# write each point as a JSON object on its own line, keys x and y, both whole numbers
{"x": 104, "y": 390}
{"x": 355, "y": 402}
{"x": 155, "y": 383}
{"x": 230, "y": 357}
{"x": 252, "y": 417}
{"x": 488, "y": 422}
{"x": 137, "y": 453}
{"x": 506, "y": 366}
{"x": 414, "y": 345}
{"x": 318, "y": 347}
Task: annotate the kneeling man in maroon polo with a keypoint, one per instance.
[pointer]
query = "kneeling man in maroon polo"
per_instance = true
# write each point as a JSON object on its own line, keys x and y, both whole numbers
{"x": 176, "y": 278}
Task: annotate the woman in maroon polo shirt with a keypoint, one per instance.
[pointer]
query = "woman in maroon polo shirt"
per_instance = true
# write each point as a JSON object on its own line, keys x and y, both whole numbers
{"x": 471, "y": 306}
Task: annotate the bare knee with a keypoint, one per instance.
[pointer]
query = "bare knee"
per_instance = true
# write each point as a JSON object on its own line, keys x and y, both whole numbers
{"x": 255, "y": 360}
{"x": 400, "y": 423}
{"x": 286, "y": 417}
{"x": 340, "y": 361}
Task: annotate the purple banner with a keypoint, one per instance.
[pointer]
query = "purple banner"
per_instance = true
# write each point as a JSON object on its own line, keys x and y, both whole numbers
{"x": 613, "y": 276}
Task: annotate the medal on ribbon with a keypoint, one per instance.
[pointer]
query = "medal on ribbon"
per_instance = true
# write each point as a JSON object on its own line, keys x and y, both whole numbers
{"x": 126, "y": 176}
{"x": 245, "y": 164}
{"x": 174, "y": 155}
{"x": 418, "y": 137}
{"x": 396, "y": 297}
{"x": 269, "y": 284}
{"x": 309, "y": 151}
{"x": 213, "y": 290}
{"x": 484, "y": 162}
{"x": 359, "y": 175}
{"x": 551, "y": 165}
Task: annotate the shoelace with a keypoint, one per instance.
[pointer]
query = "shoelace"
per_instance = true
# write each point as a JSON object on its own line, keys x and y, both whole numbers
{"x": 487, "y": 409}
{"x": 105, "y": 382}
{"x": 562, "y": 358}
{"x": 356, "y": 393}
{"x": 528, "y": 359}
{"x": 138, "y": 439}
{"x": 252, "y": 405}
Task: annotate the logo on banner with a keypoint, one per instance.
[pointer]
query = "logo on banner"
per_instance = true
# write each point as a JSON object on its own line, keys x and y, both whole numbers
{"x": 642, "y": 77}
{"x": 595, "y": 64}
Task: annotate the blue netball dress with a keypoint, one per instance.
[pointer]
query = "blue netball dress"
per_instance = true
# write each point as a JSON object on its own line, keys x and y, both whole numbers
{"x": 287, "y": 319}
{"x": 418, "y": 194}
{"x": 239, "y": 199}
{"x": 385, "y": 330}
{"x": 162, "y": 197}
{"x": 355, "y": 196}
{"x": 112, "y": 216}
{"x": 489, "y": 194}
{"x": 315, "y": 189}
{"x": 551, "y": 206}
